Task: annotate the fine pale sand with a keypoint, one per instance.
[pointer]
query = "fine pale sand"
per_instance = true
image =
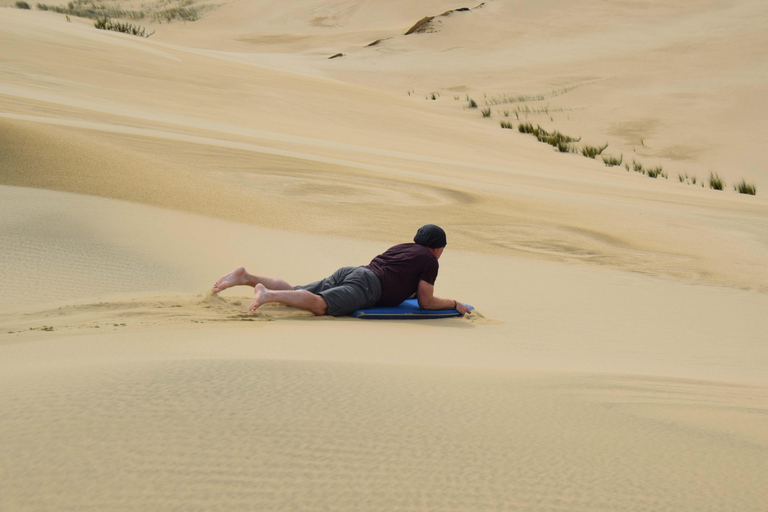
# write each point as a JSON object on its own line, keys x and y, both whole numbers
{"x": 618, "y": 355}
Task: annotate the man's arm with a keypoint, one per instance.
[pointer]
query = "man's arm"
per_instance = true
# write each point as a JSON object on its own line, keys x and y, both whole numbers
{"x": 427, "y": 300}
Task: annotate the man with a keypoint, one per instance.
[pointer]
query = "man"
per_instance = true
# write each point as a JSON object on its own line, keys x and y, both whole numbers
{"x": 399, "y": 273}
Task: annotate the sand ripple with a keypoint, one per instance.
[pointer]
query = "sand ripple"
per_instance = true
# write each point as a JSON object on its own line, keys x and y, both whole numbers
{"x": 277, "y": 435}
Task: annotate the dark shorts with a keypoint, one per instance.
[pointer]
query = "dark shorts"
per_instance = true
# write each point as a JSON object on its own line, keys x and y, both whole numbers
{"x": 347, "y": 290}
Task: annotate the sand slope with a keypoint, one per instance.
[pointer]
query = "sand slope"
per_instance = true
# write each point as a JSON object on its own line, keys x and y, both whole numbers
{"x": 617, "y": 360}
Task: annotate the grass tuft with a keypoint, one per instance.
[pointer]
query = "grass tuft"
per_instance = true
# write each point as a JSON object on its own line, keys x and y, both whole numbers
{"x": 715, "y": 182}
{"x": 612, "y": 161}
{"x": 486, "y": 112}
{"x": 22, "y": 5}
{"x": 472, "y": 104}
{"x": 745, "y": 188}
{"x": 655, "y": 172}
{"x": 185, "y": 10}
{"x": 556, "y": 139}
{"x": 126, "y": 28}
{"x": 507, "y": 125}
{"x": 593, "y": 151}
{"x": 527, "y": 128}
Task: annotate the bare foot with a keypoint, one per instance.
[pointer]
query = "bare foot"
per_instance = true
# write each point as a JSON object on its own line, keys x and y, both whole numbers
{"x": 260, "y": 297}
{"x": 234, "y": 278}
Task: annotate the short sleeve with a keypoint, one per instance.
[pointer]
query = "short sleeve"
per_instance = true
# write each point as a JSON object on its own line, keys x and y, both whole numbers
{"x": 429, "y": 273}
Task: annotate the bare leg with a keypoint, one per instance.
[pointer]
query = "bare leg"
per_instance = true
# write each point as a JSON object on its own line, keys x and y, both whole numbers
{"x": 301, "y": 299}
{"x": 240, "y": 276}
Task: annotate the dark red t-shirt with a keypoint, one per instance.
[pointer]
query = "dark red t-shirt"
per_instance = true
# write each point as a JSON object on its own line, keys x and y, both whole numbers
{"x": 400, "y": 269}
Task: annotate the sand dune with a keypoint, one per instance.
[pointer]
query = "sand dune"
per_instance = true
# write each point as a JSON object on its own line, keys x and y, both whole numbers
{"x": 617, "y": 359}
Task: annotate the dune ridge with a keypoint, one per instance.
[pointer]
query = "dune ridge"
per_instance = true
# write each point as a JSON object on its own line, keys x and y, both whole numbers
{"x": 617, "y": 360}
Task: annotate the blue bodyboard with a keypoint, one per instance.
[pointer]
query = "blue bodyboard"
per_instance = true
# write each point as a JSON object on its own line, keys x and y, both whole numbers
{"x": 408, "y": 310}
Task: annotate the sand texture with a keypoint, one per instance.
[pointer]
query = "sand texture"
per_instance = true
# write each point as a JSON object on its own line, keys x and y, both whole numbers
{"x": 618, "y": 356}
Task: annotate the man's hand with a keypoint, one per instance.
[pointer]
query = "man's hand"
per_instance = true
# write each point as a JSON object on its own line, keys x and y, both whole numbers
{"x": 427, "y": 300}
{"x": 462, "y": 308}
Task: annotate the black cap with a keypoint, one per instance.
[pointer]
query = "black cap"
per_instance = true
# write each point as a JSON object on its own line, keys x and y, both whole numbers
{"x": 430, "y": 236}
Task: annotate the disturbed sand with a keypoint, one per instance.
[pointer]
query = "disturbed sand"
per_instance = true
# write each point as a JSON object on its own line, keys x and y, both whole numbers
{"x": 617, "y": 360}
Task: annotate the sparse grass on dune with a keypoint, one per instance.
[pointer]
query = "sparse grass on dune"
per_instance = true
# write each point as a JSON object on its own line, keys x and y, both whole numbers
{"x": 716, "y": 182}
{"x": 685, "y": 178}
{"x": 163, "y": 10}
{"x": 745, "y": 188}
{"x": 562, "y": 142}
{"x": 526, "y": 98}
{"x": 612, "y": 161}
{"x": 126, "y": 28}
{"x": 22, "y": 5}
{"x": 593, "y": 151}
{"x": 566, "y": 144}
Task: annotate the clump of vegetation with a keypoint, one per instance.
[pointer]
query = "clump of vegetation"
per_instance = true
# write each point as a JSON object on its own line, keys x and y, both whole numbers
{"x": 637, "y": 167}
{"x": 184, "y": 13}
{"x": 593, "y": 151}
{"x": 89, "y": 9}
{"x": 22, "y": 5}
{"x": 127, "y": 28}
{"x": 184, "y": 10}
{"x": 654, "y": 172}
{"x": 524, "y": 98}
{"x": 715, "y": 182}
{"x": 528, "y": 128}
{"x": 507, "y": 125}
{"x": 612, "y": 161}
{"x": 472, "y": 104}
{"x": 486, "y": 112}
{"x": 556, "y": 139}
{"x": 433, "y": 96}
{"x": 745, "y": 188}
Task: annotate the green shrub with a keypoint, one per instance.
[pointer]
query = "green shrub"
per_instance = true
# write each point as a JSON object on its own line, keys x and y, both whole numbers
{"x": 22, "y": 5}
{"x": 472, "y": 104}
